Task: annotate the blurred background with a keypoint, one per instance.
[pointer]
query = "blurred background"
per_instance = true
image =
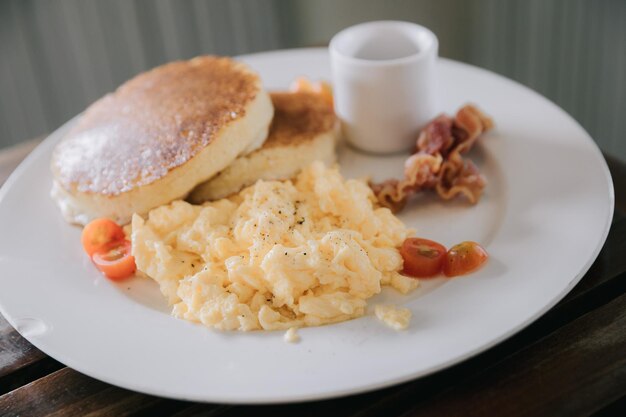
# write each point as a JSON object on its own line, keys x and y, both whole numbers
{"x": 57, "y": 57}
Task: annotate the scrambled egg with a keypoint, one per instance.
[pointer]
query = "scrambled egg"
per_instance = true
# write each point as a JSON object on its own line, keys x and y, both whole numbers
{"x": 397, "y": 318}
{"x": 291, "y": 335}
{"x": 277, "y": 255}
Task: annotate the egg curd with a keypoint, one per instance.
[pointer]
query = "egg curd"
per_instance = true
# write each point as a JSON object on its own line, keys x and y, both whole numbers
{"x": 277, "y": 255}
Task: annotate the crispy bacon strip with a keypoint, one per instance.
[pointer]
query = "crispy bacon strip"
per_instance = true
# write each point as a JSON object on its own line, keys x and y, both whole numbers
{"x": 437, "y": 163}
{"x": 420, "y": 171}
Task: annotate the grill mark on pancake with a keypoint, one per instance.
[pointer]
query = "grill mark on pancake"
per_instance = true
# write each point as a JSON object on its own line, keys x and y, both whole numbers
{"x": 152, "y": 124}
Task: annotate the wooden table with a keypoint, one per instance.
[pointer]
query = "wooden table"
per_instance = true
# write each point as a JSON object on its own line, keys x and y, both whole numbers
{"x": 570, "y": 362}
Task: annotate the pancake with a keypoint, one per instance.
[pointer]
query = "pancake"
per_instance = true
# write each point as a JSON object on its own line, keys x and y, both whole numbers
{"x": 304, "y": 129}
{"x": 158, "y": 136}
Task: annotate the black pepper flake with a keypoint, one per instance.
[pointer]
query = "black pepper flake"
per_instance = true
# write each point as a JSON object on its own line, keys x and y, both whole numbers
{"x": 304, "y": 253}
{"x": 285, "y": 253}
{"x": 193, "y": 266}
{"x": 301, "y": 221}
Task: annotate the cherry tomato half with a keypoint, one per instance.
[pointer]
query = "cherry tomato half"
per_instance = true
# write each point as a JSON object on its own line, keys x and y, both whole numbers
{"x": 326, "y": 93}
{"x": 302, "y": 84}
{"x": 322, "y": 88}
{"x": 423, "y": 258}
{"x": 100, "y": 233}
{"x": 464, "y": 258}
{"x": 115, "y": 261}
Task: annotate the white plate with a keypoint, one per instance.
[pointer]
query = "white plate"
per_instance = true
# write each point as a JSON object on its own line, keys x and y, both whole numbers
{"x": 544, "y": 217}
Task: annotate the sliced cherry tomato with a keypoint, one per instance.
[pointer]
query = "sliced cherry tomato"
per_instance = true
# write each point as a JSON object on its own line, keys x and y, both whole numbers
{"x": 464, "y": 258}
{"x": 303, "y": 84}
{"x": 115, "y": 261}
{"x": 100, "y": 233}
{"x": 326, "y": 92}
{"x": 423, "y": 258}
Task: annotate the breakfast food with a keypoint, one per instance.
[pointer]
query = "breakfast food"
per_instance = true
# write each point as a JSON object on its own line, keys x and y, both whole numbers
{"x": 281, "y": 241}
{"x": 424, "y": 258}
{"x": 158, "y": 136}
{"x": 104, "y": 241}
{"x": 321, "y": 88}
{"x": 397, "y": 318}
{"x": 438, "y": 164}
{"x": 463, "y": 258}
{"x": 304, "y": 129}
{"x": 291, "y": 335}
{"x": 279, "y": 254}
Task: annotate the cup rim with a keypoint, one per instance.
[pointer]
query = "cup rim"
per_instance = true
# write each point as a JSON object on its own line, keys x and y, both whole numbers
{"x": 421, "y": 54}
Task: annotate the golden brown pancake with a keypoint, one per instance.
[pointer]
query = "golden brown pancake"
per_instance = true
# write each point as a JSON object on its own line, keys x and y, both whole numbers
{"x": 298, "y": 118}
{"x": 157, "y": 136}
{"x": 304, "y": 129}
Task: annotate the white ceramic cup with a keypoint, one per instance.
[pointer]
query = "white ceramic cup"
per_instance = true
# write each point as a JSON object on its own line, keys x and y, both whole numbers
{"x": 384, "y": 82}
